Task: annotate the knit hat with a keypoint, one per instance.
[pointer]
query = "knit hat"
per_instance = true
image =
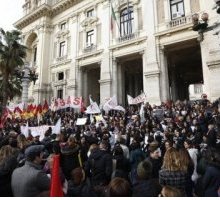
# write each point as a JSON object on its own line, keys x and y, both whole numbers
{"x": 144, "y": 169}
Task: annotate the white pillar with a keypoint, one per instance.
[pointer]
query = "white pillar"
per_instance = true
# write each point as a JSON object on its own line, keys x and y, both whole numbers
{"x": 25, "y": 84}
{"x": 164, "y": 75}
{"x": 114, "y": 77}
{"x": 135, "y": 7}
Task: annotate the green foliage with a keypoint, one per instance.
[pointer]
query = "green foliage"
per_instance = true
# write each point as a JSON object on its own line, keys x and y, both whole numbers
{"x": 12, "y": 55}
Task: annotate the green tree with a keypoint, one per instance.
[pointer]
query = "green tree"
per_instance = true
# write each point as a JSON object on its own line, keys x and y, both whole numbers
{"x": 12, "y": 54}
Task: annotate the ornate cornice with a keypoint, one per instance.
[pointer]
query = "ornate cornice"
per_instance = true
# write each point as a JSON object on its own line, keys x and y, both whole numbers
{"x": 43, "y": 10}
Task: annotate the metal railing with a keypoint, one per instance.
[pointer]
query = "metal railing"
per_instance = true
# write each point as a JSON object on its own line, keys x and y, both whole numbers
{"x": 128, "y": 37}
{"x": 62, "y": 58}
{"x": 180, "y": 21}
{"x": 90, "y": 48}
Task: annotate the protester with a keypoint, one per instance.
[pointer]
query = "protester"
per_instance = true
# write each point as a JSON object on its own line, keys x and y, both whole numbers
{"x": 30, "y": 180}
{"x": 184, "y": 134}
{"x": 8, "y": 163}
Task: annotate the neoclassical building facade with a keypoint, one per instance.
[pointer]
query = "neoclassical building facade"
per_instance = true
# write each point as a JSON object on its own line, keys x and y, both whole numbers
{"x": 120, "y": 47}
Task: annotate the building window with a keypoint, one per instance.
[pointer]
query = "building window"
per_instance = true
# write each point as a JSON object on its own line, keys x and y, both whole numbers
{"x": 198, "y": 89}
{"x": 35, "y": 54}
{"x": 177, "y": 8}
{"x": 63, "y": 26}
{"x": 60, "y": 93}
{"x": 62, "y": 49}
{"x": 126, "y": 21}
{"x": 60, "y": 76}
{"x": 90, "y": 13}
{"x": 90, "y": 38}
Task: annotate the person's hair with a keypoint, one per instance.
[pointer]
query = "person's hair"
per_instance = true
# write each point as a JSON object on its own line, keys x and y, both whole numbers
{"x": 144, "y": 169}
{"x": 169, "y": 191}
{"x": 119, "y": 187}
{"x": 93, "y": 147}
{"x": 185, "y": 159}
{"x": 170, "y": 142}
{"x": 117, "y": 150}
{"x": 22, "y": 141}
{"x": 103, "y": 145}
{"x": 77, "y": 176}
{"x": 171, "y": 160}
{"x": 189, "y": 142}
{"x": 72, "y": 142}
{"x": 5, "y": 152}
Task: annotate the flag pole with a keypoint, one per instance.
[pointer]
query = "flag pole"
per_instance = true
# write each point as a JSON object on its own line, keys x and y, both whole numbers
{"x": 113, "y": 15}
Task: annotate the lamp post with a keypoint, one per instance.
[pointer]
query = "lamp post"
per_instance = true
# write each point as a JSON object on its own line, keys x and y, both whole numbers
{"x": 27, "y": 75}
{"x": 217, "y": 6}
{"x": 201, "y": 25}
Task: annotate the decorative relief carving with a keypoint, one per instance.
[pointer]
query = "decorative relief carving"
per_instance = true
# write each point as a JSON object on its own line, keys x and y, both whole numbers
{"x": 89, "y": 22}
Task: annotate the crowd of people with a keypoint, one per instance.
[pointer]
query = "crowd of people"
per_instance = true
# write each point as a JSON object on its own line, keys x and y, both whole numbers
{"x": 173, "y": 153}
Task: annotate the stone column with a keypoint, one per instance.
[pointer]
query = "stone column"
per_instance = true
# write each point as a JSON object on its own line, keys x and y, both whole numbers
{"x": 165, "y": 94}
{"x": 120, "y": 83}
{"x": 115, "y": 77}
{"x": 25, "y": 83}
{"x": 167, "y": 10}
{"x": 135, "y": 10}
{"x": 151, "y": 79}
{"x": 187, "y": 7}
{"x": 79, "y": 80}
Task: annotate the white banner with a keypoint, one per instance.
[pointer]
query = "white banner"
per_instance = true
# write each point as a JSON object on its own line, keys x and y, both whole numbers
{"x": 139, "y": 99}
{"x": 81, "y": 121}
{"x": 112, "y": 104}
{"x": 36, "y": 131}
{"x": 72, "y": 102}
{"x": 93, "y": 109}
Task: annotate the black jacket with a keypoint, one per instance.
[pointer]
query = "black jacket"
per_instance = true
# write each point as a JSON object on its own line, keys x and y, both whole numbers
{"x": 6, "y": 169}
{"x": 69, "y": 160}
{"x": 99, "y": 167}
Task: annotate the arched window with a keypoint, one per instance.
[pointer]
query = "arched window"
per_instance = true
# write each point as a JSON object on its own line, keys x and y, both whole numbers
{"x": 126, "y": 21}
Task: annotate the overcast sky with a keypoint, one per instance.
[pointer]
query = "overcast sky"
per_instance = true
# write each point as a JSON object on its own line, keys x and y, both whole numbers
{"x": 10, "y": 12}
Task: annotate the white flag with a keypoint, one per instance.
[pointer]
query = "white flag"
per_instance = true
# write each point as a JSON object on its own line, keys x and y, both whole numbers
{"x": 25, "y": 130}
{"x": 130, "y": 99}
{"x": 139, "y": 99}
{"x": 56, "y": 129}
{"x": 110, "y": 104}
{"x": 142, "y": 113}
{"x": 93, "y": 109}
{"x": 90, "y": 100}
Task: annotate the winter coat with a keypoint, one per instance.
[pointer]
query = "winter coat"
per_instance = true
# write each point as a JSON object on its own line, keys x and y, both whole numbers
{"x": 156, "y": 166}
{"x": 69, "y": 160}
{"x": 178, "y": 179}
{"x": 211, "y": 181}
{"x": 136, "y": 156}
{"x": 29, "y": 180}
{"x": 145, "y": 188}
{"x": 82, "y": 190}
{"x": 122, "y": 167}
{"x": 6, "y": 168}
{"x": 99, "y": 167}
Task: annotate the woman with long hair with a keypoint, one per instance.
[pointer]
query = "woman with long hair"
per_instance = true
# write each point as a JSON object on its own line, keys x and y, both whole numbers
{"x": 8, "y": 163}
{"x": 173, "y": 173}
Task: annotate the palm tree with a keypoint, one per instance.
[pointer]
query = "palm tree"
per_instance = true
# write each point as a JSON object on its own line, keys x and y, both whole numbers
{"x": 12, "y": 54}
{"x": 14, "y": 87}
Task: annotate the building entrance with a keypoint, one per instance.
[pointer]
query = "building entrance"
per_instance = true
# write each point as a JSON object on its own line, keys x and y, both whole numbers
{"x": 90, "y": 84}
{"x": 132, "y": 78}
{"x": 184, "y": 68}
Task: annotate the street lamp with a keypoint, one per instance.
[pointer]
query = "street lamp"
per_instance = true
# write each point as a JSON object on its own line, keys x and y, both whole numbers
{"x": 217, "y": 6}
{"x": 27, "y": 75}
{"x": 201, "y": 26}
